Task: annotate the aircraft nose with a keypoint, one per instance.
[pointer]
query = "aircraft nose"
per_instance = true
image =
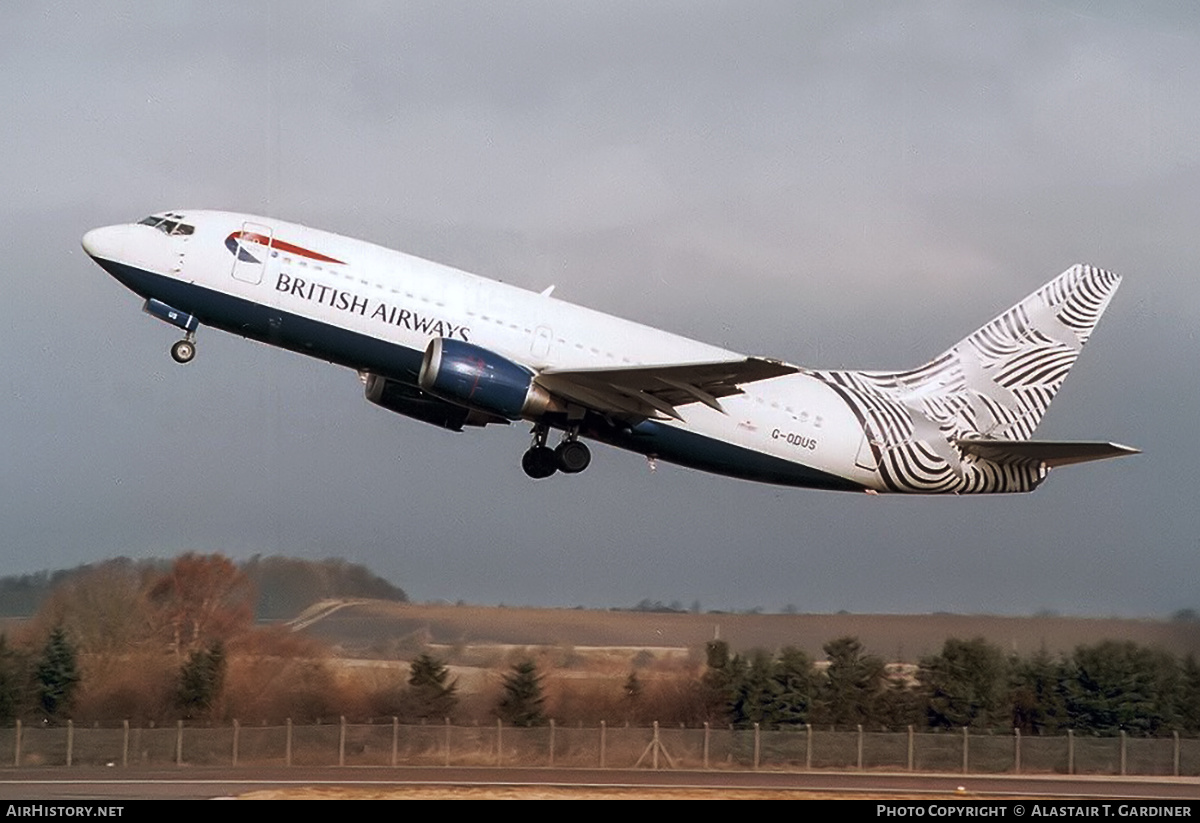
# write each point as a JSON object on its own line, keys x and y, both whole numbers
{"x": 102, "y": 243}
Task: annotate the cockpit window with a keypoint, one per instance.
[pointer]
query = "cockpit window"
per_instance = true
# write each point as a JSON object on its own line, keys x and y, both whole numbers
{"x": 167, "y": 226}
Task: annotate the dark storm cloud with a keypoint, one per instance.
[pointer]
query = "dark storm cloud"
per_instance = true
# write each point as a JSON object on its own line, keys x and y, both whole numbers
{"x": 842, "y": 186}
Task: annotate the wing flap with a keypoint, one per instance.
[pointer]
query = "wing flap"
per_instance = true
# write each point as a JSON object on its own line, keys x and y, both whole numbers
{"x": 656, "y": 391}
{"x": 1049, "y": 452}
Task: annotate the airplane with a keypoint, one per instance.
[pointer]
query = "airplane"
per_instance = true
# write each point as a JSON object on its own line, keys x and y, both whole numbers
{"x": 455, "y": 350}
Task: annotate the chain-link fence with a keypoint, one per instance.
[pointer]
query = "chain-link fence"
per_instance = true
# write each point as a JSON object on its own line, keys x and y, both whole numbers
{"x": 618, "y": 747}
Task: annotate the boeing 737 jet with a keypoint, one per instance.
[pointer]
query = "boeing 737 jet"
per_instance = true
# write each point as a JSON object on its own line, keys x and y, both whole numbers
{"x": 456, "y": 350}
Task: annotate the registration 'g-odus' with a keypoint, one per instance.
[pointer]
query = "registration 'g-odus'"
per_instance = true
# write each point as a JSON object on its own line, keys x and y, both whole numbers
{"x": 455, "y": 350}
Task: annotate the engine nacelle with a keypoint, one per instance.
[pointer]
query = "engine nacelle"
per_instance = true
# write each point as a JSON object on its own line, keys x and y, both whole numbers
{"x": 477, "y": 378}
{"x": 410, "y": 401}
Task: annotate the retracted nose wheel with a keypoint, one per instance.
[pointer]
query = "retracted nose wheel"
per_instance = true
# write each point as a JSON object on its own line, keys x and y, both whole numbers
{"x": 572, "y": 456}
{"x": 183, "y": 351}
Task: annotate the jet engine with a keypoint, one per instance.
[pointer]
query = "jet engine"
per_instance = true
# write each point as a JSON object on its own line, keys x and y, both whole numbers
{"x": 410, "y": 401}
{"x": 480, "y": 379}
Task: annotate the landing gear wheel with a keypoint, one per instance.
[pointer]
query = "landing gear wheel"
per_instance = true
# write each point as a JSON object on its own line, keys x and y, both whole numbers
{"x": 183, "y": 351}
{"x": 572, "y": 456}
{"x": 539, "y": 462}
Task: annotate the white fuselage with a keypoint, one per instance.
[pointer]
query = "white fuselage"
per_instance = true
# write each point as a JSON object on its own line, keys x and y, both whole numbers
{"x": 452, "y": 349}
{"x": 384, "y": 295}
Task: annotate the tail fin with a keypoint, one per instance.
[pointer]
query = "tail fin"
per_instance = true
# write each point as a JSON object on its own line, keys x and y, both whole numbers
{"x": 999, "y": 381}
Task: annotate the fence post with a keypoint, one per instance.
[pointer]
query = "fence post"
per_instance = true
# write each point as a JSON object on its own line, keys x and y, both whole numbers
{"x": 342, "y": 741}
{"x": 1016, "y": 750}
{"x": 70, "y": 740}
{"x": 603, "y": 736}
{"x": 287, "y": 755}
{"x": 757, "y": 746}
{"x": 447, "y": 742}
{"x": 1122, "y": 752}
{"x": 17, "y": 750}
{"x": 966, "y": 749}
{"x": 707, "y": 737}
{"x": 552, "y": 742}
{"x": 808, "y": 747}
{"x": 499, "y": 747}
{"x": 125, "y": 743}
{"x": 911, "y": 742}
{"x": 395, "y": 738}
{"x": 178, "y": 742}
{"x": 1070, "y": 751}
{"x": 1176, "y": 736}
{"x": 237, "y": 728}
{"x": 656, "y": 745}
{"x": 860, "y": 747}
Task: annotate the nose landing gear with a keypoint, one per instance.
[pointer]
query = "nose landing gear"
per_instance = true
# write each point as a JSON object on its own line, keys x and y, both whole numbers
{"x": 571, "y": 456}
{"x": 184, "y": 350}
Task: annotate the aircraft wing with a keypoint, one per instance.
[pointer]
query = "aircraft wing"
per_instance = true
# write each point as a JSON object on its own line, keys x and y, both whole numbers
{"x": 656, "y": 391}
{"x": 1050, "y": 452}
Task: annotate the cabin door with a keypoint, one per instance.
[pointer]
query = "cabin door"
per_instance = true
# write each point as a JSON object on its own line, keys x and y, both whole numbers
{"x": 867, "y": 457}
{"x": 251, "y": 247}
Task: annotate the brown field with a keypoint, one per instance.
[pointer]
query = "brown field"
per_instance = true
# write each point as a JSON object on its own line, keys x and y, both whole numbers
{"x": 484, "y": 636}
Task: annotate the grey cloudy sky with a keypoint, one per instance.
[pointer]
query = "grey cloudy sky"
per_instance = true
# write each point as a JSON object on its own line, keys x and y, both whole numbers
{"x": 840, "y": 185}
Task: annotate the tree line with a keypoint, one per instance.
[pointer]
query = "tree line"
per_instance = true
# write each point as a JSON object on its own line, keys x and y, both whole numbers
{"x": 163, "y": 642}
{"x": 1099, "y": 689}
{"x": 152, "y": 642}
{"x": 284, "y": 586}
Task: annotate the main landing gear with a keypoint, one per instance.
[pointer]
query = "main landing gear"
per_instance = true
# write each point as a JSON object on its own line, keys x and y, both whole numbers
{"x": 571, "y": 456}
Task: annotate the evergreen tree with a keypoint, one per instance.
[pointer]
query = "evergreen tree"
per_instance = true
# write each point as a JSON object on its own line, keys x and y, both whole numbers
{"x": 755, "y": 691}
{"x": 12, "y": 676}
{"x": 1189, "y": 696}
{"x": 429, "y": 694}
{"x": 1115, "y": 686}
{"x": 200, "y": 680}
{"x": 900, "y": 704}
{"x": 965, "y": 685}
{"x": 522, "y": 701}
{"x": 57, "y": 674}
{"x": 720, "y": 682}
{"x": 794, "y": 684}
{"x": 852, "y": 686}
{"x": 1036, "y": 694}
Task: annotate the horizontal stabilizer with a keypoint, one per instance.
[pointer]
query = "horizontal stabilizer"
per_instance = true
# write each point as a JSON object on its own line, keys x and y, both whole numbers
{"x": 1049, "y": 452}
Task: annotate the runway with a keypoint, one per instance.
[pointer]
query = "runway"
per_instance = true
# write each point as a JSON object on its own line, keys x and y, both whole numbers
{"x": 201, "y": 783}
